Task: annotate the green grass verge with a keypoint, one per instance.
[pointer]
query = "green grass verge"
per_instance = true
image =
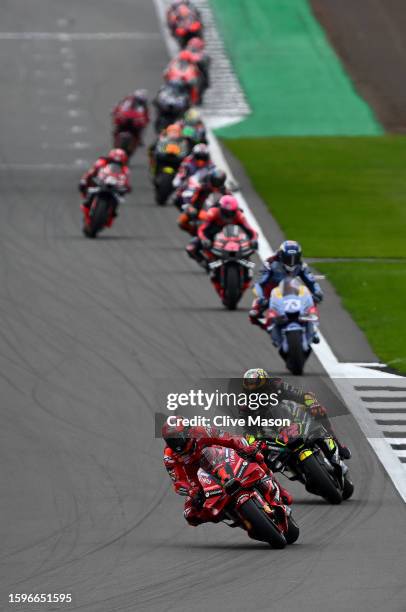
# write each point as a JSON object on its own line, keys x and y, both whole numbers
{"x": 293, "y": 79}
{"x": 375, "y": 294}
{"x": 341, "y": 197}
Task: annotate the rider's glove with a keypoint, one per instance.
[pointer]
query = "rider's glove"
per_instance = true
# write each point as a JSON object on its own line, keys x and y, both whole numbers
{"x": 318, "y": 297}
{"x": 197, "y": 498}
{"x": 313, "y": 405}
{"x": 254, "y": 244}
{"x": 82, "y": 187}
{"x": 206, "y": 243}
{"x": 317, "y": 410}
{"x": 252, "y": 452}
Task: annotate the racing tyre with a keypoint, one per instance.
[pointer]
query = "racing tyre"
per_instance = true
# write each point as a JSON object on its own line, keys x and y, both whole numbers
{"x": 296, "y": 357}
{"x": 261, "y": 527}
{"x": 162, "y": 122}
{"x": 320, "y": 481}
{"x": 232, "y": 290}
{"x": 292, "y": 533}
{"x": 126, "y": 141}
{"x": 348, "y": 488}
{"x": 99, "y": 214}
{"x": 163, "y": 188}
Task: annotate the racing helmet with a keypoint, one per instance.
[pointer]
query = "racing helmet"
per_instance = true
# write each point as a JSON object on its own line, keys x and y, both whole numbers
{"x": 177, "y": 437}
{"x": 118, "y": 156}
{"x": 192, "y": 116}
{"x": 228, "y": 207}
{"x": 255, "y": 378}
{"x": 195, "y": 44}
{"x": 217, "y": 178}
{"x": 140, "y": 96}
{"x": 290, "y": 254}
{"x": 201, "y": 155}
{"x": 184, "y": 10}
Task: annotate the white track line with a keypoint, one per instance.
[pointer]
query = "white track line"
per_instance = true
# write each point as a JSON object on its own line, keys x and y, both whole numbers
{"x": 225, "y": 101}
{"x": 342, "y": 374}
{"x": 68, "y": 36}
{"x": 45, "y": 167}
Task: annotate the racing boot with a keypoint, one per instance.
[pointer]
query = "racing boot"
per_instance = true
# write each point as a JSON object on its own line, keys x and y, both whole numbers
{"x": 258, "y": 308}
{"x": 272, "y": 487}
{"x": 343, "y": 451}
{"x": 194, "y": 251}
{"x": 285, "y": 495}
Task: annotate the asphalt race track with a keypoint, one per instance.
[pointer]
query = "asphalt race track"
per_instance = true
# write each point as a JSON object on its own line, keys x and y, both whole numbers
{"x": 87, "y": 328}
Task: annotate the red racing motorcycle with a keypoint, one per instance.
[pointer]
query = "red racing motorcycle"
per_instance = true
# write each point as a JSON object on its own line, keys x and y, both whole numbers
{"x": 227, "y": 261}
{"x": 242, "y": 494}
{"x": 186, "y": 29}
{"x": 106, "y": 197}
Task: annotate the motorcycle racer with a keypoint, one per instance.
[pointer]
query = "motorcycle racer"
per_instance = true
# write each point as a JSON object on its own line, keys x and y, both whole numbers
{"x": 131, "y": 114}
{"x": 119, "y": 158}
{"x": 182, "y": 455}
{"x": 205, "y": 183}
{"x": 171, "y": 102}
{"x": 183, "y": 68}
{"x": 287, "y": 261}
{"x": 193, "y": 119}
{"x": 227, "y": 212}
{"x": 184, "y": 21}
{"x": 171, "y": 146}
{"x": 256, "y": 379}
{"x": 180, "y": 10}
{"x": 196, "y": 46}
{"x": 197, "y": 160}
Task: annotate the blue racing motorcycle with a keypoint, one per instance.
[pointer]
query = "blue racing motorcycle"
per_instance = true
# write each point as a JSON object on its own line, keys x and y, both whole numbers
{"x": 292, "y": 322}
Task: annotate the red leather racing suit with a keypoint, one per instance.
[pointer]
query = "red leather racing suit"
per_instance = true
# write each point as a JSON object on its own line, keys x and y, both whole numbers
{"x": 88, "y": 177}
{"x": 215, "y": 222}
{"x": 183, "y": 468}
{"x": 130, "y": 116}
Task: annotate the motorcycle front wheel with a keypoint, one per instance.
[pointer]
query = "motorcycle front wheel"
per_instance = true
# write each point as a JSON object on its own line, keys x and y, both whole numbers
{"x": 232, "y": 288}
{"x": 261, "y": 526}
{"x": 296, "y": 357}
{"x": 163, "y": 188}
{"x": 318, "y": 479}
{"x": 98, "y": 217}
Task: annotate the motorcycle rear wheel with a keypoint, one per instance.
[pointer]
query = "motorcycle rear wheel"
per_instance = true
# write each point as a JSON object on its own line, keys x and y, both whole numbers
{"x": 261, "y": 526}
{"x": 296, "y": 357}
{"x": 320, "y": 481}
{"x": 127, "y": 142}
{"x": 232, "y": 289}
